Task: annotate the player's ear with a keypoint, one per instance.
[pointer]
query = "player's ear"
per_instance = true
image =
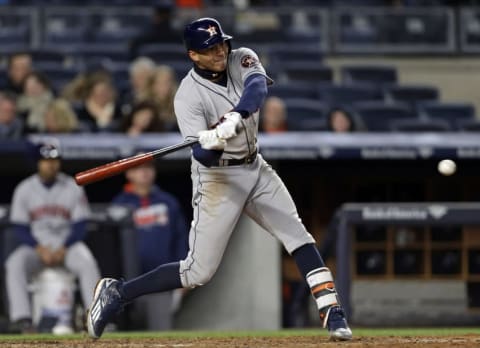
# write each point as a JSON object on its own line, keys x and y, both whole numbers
{"x": 193, "y": 56}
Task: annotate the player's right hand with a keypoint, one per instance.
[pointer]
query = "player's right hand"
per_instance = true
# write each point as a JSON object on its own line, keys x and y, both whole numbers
{"x": 209, "y": 140}
{"x": 45, "y": 255}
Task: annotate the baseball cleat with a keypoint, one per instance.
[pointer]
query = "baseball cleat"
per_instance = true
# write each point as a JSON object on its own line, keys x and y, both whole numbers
{"x": 107, "y": 301}
{"x": 337, "y": 325}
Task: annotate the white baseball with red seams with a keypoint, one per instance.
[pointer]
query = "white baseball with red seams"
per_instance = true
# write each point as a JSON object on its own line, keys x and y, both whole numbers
{"x": 447, "y": 167}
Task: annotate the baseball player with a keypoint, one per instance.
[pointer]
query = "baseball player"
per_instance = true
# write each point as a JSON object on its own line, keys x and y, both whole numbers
{"x": 48, "y": 214}
{"x": 218, "y": 102}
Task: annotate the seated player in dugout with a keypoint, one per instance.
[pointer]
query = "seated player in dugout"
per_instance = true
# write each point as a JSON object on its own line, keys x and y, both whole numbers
{"x": 49, "y": 213}
{"x": 160, "y": 236}
{"x": 217, "y": 103}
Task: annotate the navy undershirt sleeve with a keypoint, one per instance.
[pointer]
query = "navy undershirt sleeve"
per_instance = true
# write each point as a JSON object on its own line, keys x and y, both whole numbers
{"x": 253, "y": 95}
{"x": 77, "y": 233}
{"x": 24, "y": 235}
{"x": 206, "y": 157}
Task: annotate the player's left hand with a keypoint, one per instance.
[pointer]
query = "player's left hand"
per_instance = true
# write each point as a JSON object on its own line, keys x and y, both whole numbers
{"x": 228, "y": 127}
{"x": 209, "y": 140}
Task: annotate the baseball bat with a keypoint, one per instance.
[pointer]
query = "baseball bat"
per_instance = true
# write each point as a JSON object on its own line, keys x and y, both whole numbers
{"x": 120, "y": 166}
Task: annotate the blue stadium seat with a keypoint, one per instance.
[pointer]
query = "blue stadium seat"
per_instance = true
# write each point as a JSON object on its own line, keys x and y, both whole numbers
{"x": 469, "y": 125}
{"x": 377, "y": 116}
{"x": 164, "y": 52}
{"x": 349, "y": 94}
{"x": 297, "y": 53}
{"x": 67, "y": 36}
{"x": 181, "y": 68}
{"x": 58, "y": 75}
{"x": 95, "y": 53}
{"x": 3, "y": 79}
{"x": 18, "y": 35}
{"x": 313, "y": 72}
{"x": 117, "y": 36}
{"x": 412, "y": 94}
{"x": 450, "y": 112}
{"x": 384, "y": 75}
{"x": 293, "y": 90}
{"x": 418, "y": 125}
{"x": 305, "y": 114}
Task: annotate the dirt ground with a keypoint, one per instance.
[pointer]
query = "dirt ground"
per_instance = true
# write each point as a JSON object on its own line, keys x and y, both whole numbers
{"x": 465, "y": 341}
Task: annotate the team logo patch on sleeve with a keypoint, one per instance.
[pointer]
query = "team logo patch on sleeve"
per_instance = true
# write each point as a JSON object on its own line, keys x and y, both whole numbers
{"x": 248, "y": 61}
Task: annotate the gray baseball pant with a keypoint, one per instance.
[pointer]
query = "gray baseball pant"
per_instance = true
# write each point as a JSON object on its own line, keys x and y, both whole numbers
{"x": 24, "y": 262}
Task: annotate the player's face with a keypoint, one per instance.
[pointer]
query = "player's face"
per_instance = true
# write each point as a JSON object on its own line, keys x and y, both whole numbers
{"x": 142, "y": 176}
{"x": 48, "y": 168}
{"x": 213, "y": 58}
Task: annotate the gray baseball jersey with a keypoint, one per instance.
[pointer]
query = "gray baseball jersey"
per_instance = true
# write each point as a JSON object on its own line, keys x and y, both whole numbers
{"x": 200, "y": 103}
{"x": 222, "y": 194}
{"x": 49, "y": 211}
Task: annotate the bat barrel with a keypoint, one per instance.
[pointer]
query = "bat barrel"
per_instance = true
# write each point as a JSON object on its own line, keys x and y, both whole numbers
{"x": 114, "y": 168}
{"x": 110, "y": 169}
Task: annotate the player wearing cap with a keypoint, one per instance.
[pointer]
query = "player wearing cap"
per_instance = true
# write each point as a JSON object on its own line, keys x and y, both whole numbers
{"x": 48, "y": 213}
{"x": 218, "y": 102}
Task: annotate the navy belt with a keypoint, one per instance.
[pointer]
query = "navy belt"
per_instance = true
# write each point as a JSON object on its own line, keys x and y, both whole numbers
{"x": 237, "y": 162}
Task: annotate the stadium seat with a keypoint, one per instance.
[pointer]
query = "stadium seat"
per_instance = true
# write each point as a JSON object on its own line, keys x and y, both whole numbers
{"x": 348, "y": 95}
{"x": 117, "y": 36}
{"x": 450, "y": 112}
{"x": 47, "y": 56}
{"x": 305, "y": 114}
{"x": 377, "y": 116}
{"x": 301, "y": 52}
{"x": 163, "y": 52}
{"x": 293, "y": 90}
{"x": 313, "y": 72}
{"x": 95, "y": 53}
{"x": 67, "y": 36}
{"x": 383, "y": 75}
{"x": 469, "y": 125}
{"x": 411, "y": 94}
{"x": 417, "y": 125}
{"x": 15, "y": 34}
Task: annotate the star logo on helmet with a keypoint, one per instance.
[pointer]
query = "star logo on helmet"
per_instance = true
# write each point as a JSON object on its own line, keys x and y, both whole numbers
{"x": 211, "y": 30}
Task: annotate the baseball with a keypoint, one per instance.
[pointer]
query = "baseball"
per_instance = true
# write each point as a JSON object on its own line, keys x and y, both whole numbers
{"x": 447, "y": 167}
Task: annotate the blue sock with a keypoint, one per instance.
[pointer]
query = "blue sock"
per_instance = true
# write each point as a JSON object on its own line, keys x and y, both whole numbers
{"x": 163, "y": 278}
{"x": 307, "y": 258}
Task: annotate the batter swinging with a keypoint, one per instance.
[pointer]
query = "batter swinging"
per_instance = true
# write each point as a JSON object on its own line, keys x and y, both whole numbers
{"x": 218, "y": 102}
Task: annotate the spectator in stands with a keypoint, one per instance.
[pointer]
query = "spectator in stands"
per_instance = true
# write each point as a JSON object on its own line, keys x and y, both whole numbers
{"x": 34, "y": 100}
{"x": 161, "y": 236}
{"x": 11, "y": 127}
{"x": 340, "y": 120}
{"x": 142, "y": 119}
{"x": 162, "y": 89}
{"x": 274, "y": 116}
{"x": 160, "y": 30}
{"x": 100, "y": 111}
{"x": 141, "y": 72}
{"x": 48, "y": 214}
{"x": 19, "y": 66}
{"x": 60, "y": 117}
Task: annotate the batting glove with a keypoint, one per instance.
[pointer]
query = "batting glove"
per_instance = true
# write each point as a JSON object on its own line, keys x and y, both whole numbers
{"x": 228, "y": 127}
{"x": 209, "y": 140}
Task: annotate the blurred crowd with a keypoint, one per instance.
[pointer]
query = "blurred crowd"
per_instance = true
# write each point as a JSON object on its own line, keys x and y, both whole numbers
{"x": 89, "y": 103}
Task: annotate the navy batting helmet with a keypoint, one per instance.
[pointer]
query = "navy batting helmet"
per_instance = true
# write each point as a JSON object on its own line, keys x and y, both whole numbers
{"x": 47, "y": 150}
{"x": 204, "y": 33}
